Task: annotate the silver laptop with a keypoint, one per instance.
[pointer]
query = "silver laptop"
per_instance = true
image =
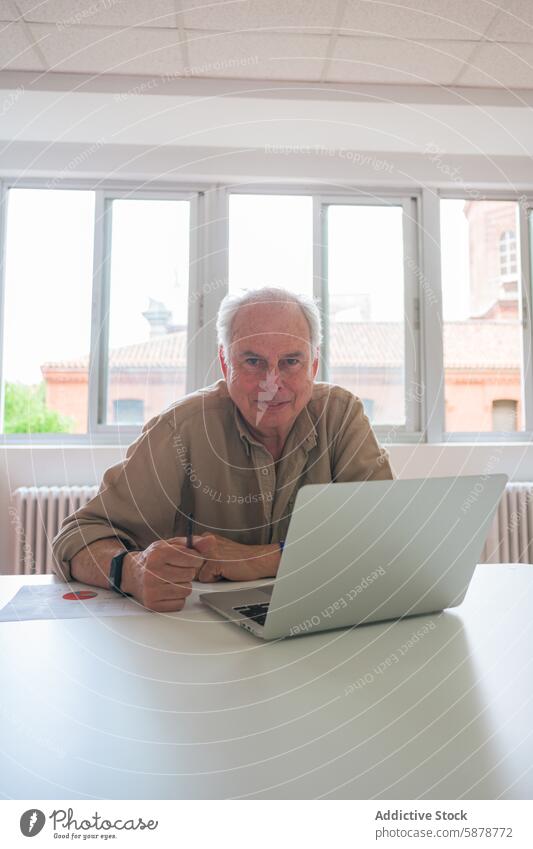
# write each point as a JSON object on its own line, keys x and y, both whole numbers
{"x": 365, "y": 552}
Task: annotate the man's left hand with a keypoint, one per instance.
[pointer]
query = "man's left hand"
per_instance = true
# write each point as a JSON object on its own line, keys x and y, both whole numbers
{"x": 234, "y": 561}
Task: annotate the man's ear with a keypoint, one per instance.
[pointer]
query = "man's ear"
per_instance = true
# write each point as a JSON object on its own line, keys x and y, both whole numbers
{"x": 314, "y": 367}
{"x": 222, "y": 360}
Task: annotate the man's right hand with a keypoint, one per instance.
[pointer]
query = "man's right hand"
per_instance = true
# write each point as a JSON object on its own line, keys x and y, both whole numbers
{"x": 160, "y": 576}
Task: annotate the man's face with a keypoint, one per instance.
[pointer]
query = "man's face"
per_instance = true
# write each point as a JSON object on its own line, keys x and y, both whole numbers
{"x": 270, "y": 371}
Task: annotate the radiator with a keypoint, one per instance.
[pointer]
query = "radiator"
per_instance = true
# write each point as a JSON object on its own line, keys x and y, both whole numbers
{"x": 510, "y": 538}
{"x": 36, "y": 515}
{"x": 38, "y": 511}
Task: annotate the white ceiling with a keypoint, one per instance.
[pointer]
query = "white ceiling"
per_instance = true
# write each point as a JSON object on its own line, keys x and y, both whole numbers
{"x": 481, "y": 43}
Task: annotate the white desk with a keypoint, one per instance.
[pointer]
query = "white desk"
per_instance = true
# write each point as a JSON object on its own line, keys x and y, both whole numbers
{"x": 188, "y": 706}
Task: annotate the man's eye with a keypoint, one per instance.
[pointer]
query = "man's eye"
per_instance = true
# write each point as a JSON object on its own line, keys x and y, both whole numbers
{"x": 252, "y": 361}
{"x": 292, "y": 361}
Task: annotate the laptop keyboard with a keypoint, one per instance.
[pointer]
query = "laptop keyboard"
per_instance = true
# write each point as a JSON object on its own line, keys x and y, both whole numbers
{"x": 256, "y": 612}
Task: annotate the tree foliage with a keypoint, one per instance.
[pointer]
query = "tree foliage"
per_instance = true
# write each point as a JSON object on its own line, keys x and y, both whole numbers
{"x": 25, "y": 411}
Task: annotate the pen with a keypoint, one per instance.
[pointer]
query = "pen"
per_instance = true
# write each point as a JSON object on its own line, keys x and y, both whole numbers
{"x": 190, "y": 521}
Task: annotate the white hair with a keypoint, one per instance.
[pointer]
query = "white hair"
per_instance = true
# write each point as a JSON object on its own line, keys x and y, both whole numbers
{"x": 232, "y": 303}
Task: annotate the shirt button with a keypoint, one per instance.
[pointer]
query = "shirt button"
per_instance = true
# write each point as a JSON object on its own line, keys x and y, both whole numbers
{"x": 265, "y": 471}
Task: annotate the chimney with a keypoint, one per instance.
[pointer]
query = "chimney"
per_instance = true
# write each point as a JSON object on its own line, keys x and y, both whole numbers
{"x": 158, "y": 317}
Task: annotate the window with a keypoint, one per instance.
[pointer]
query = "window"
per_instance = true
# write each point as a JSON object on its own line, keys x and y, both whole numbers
{"x": 137, "y": 342}
{"x": 47, "y": 318}
{"x": 507, "y": 253}
{"x": 482, "y": 316}
{"x": 504, "y": 415}
{"x": 148, "y": 303}
{"x": 104, "y": 284}
{"x": 366, "y": 327}
{"x": 128, "y": 411}
{"x": 360, "y": 285}
{"x": 271, "y": 242}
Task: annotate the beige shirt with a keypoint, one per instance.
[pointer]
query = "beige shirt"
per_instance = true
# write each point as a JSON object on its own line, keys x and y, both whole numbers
{"x": 199, "y": 456}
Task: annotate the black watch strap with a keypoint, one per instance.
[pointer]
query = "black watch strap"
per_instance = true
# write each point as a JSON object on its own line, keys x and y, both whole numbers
{"x": 115, "y": 572}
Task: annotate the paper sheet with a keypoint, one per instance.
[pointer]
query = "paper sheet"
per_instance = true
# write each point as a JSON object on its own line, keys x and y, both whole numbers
{"x": 67, "y": 601}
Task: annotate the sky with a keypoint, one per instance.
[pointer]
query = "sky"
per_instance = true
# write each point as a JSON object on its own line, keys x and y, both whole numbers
{"x": 50, "y": 256}
{"x": 271, "y": 242}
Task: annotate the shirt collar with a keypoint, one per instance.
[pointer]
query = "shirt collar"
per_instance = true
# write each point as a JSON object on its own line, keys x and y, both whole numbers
{"x": 303, "y": 431}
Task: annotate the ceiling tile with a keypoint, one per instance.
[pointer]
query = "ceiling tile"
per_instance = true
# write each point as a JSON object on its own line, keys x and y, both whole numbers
{"x": 514, "y": 22}
{"x": 385, "y": 60}
{"x": 231, "y": 15}
{"x": 122, "y": 13}
{"x": 420, "y": 19}
{"x": 15, "y": 51}
{"x": 7, "y": 11}
{"x": 272, "y": 56}
{"x": 500, "y": 66}
{"x": 101, "y": 50}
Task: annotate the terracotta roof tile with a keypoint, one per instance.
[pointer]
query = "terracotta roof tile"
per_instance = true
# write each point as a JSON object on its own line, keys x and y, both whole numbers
{"x": 468, "y": 344}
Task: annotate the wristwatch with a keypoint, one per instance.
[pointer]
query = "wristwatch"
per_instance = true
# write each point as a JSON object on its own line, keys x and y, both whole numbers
{"x": 115, "y": 572}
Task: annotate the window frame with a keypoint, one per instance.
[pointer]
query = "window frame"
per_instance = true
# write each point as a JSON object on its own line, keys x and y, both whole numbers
{"x": 208, "y": 283}
{"x": 98, "y": 368}
{"x": 411, "y": 430}
{"x": 31, "y": 439}
{"x": 524, "y": 201}
{"x": 105, "y": 191}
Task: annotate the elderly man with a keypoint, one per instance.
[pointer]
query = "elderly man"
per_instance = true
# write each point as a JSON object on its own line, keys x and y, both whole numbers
{"x": 233, "y": 455}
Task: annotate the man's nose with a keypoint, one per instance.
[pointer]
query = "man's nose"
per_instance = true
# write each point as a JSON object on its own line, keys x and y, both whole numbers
{"x": 275, "y": 375}
{"x": 271, "y": 380}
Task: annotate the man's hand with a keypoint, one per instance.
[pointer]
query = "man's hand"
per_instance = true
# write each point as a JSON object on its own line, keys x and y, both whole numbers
{"x": 160, "y": 576}
{"x": 224, "y": 558}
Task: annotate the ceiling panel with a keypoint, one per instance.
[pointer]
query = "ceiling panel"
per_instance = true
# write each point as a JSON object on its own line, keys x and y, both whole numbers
{"x": 123, "y": 13}
{"x": 102, "y": 50}
{"x": 514, "y": 22}
{"x": 256, "y": 55}
{"x": 15, "y": 51}
{"x": 230, "y": 15}
{"x": 498, "y": 65}
{"x": 7, "y": 11}
{"x": 420, "y": 41}
{"x": 395, "y": 61}
{"x": 420, "y": 19}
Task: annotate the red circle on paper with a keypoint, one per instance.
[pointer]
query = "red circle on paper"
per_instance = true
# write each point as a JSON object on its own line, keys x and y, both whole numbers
{"x": 80, "y": 595}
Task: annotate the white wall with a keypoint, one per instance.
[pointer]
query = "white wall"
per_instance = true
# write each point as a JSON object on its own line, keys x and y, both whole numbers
{"x": 39, "y": 466}
{"x": 45, "y": 466}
